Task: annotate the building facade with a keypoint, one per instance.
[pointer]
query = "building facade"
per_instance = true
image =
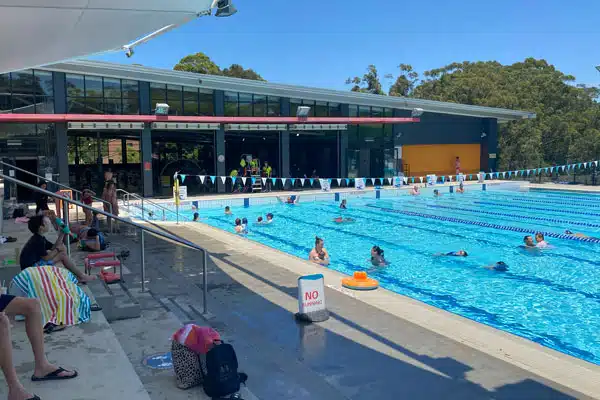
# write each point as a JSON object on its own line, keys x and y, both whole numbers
{"x": 144, "y": 157}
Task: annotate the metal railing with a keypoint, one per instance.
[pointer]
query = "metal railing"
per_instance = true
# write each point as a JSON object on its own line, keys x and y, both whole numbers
{"x": 76, "y": 192}
{"x": 144, "y": 201}
{"x": 143, "y": 229}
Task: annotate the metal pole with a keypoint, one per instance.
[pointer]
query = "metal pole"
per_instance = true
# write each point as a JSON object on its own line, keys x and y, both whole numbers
{"x": 205, "y": 282}
{"x": 78, "y": 198}
{"x": 66, "y": 220}
{"x": 143, "y": 215}
{"x": 110, "y": 221}
{"x": 177, "y": 209}
{"x": 2, "y": 211}
{"x": 143, "y": 258}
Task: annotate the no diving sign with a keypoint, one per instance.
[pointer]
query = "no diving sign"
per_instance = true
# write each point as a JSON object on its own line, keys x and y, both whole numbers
{"x": 311, "y": 298}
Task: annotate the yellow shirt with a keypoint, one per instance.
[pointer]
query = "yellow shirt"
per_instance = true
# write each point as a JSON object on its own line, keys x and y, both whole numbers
{"x": 243, "y": 163}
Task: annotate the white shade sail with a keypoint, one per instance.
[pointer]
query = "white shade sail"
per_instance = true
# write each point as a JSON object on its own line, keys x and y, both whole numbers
{"x": 39, "y": 32}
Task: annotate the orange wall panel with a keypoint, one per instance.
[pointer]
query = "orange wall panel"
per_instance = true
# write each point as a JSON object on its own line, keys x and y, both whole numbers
{"x": 439, "y": 158}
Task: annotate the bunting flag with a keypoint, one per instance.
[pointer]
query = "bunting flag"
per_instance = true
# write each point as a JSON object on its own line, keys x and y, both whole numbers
{"x": 293, "y": 180}
{"x": 302, "y": 181}
{"x": 212, "y": 178}
{"x": 244, "y": 180}
{"x": 551, "y": 169}
{"x": 421, "y": 178}
{"x": 596, "y": 163}
{"x": 264, "y": 181}
{"x": 339, "y": 181}
{"x": 223, "y": 179}
{"x": 202, "y": 178}
{"x": 273, "y": 181}
{"x": 365, "y": 180}
{"x": 443, "y": 179}
{"x": 470, "y": 176}
{"x": 253, "y": 180}
{"x": 390, "y": 180}
{"x": 509, "y": 173}
{"x": 405, "y": 180}
{"x": 329, "y": 181}
{"x": 283, "y": 180}
{"x": 182, "y": 177}
{"x": 579, "y": 165}
{"x": 563, "y": 168}
{"x": 311, "y": 181}
{"x": 504, "y": 175}
{"x": 347, "y": 182}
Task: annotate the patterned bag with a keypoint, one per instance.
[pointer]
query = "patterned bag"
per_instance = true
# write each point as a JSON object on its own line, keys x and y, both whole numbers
{"x": 187, "y": 366}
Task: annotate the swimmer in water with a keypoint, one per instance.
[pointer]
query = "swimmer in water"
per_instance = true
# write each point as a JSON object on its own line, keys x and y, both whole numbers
{"x": 461, "y": 188}
{"x": 343, "y": 204}
{"x": 269, "y": 218}
{"x": 579, "y": 235}
{"x": 289, "y": 200}
{"x": 227, "y": 210}
{"x": 500, "y": 266}
{"x": 260, "y": 220}
{"x": 238, "y": 226}
{"x": 459, "y": 253}
{"x": 415, "y": 191}
{"x": 318, "y": 254}
{"x": 244, "y": 225}
{"x": 377, "y": 257}
{"x": 196, "y": 217}
{"x": 341, "y": 220}
{"x": 436, "y": 193}
{"x": 528, "y": 242}
{"x": 541, "y": 242}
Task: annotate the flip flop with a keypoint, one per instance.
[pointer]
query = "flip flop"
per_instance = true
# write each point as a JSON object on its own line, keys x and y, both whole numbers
{"x": 95, "y": 307}
{"x": 35, "y": 397}
{"x": 51, "y": 328}
{"x": 54, "y": 376}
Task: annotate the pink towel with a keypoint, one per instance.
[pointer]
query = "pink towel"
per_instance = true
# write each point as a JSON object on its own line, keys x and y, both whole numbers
{"x": 199, "y": 339}
{"x": 21, "y": 220}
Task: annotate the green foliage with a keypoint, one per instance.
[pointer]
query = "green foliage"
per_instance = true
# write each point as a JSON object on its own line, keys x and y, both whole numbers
{"x": 200, "y": 63}
{"x": 369, "y": 83}
{"x": 567, "y": 126}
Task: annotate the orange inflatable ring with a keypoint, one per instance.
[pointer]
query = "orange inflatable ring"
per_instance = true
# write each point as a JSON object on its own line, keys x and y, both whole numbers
{"x": 360, "y": 281}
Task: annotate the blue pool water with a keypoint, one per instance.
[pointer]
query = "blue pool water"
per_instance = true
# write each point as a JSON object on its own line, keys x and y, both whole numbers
{"x": 551, "y": 297}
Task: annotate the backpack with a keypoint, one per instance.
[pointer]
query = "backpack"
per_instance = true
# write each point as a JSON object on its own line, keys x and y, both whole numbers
{"x": 222, "y": 377}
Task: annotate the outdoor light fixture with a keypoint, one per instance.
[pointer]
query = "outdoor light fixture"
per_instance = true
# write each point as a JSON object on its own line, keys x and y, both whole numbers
{"x": 161, "y": 109}
{"x": 483, "y": 134}
{"x": 416, "y": 112}
{"x": 303, "y": 111}
{"x": 224, "y": 8}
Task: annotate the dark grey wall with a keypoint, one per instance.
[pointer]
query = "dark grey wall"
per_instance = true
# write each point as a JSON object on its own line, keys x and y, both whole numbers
{"x": 439, "y": 129}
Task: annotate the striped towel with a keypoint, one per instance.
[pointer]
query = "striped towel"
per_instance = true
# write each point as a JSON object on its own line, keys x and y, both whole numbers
{"x": 62, "y": 301}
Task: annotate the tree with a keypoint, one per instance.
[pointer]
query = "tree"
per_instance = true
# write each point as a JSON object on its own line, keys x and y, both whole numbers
{"x": 405, "y": 82}
{"x": 369, "y": 83}
{"x": 199, "y": 63}
{"x": 237, "y": 71}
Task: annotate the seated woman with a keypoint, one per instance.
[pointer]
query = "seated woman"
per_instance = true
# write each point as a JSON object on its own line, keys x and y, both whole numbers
{"x": 319, "y": 254}
{"x": 377, "y": 257}
{"x": 63, "y": 303}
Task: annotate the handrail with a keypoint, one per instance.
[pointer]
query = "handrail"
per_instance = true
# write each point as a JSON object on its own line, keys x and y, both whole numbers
{"x": 79, "y": 192}
{"x": 146, "y": 200}
{"x": 142, "y": 229}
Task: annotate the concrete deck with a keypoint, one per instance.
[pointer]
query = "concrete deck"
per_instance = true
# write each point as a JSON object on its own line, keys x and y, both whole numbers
{"x": 370, "y": 348}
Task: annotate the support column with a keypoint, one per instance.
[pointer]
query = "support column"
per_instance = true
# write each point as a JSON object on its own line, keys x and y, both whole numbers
{"x": 284, "y": 142}
{"x": 490, "y": 128}
{"x": 220, "y": 141}
{"x": 343, "y": 145}
{"x": 60, "y": 129}
{"x": 146, "y": 158}
{"x": 124, "y": 151}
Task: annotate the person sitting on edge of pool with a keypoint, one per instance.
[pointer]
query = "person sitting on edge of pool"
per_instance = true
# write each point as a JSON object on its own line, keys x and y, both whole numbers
{"x": 227, "y": 210}
{"x": 377, "y": 257}
{"x": 343, "y": 204}
{"x": 319, "y": 254}
{"x": 541, "y": 242}
{"x": 436, "y": 193}
{"x": 415, "y": 191}
{"x": 499, "y": 266}
{"x": 341, "y": 220}
{"x": 196, "y": 217}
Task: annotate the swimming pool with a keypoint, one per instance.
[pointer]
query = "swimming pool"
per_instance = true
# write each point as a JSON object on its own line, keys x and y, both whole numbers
{"x": 551, "y": 297}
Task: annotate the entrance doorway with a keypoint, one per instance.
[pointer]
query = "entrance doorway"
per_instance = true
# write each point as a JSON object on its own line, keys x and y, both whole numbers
{"x": 31, "y": 165}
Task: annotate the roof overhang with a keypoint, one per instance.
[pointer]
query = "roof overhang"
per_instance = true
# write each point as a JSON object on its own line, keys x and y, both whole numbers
{"x": 141, "y": 73}
{"x": 57, "y": 118}
{"x": 38, "y": 32}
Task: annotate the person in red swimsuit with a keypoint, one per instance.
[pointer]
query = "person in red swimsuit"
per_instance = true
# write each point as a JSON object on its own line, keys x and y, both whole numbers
{"x": 87, "y": 199}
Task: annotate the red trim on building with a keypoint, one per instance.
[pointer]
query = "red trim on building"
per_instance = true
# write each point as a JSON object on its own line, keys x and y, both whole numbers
{"x": 50, "y": 118}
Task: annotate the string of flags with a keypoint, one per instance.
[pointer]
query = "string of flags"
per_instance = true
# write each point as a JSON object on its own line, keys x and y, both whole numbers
{"x": 395, "y": 180}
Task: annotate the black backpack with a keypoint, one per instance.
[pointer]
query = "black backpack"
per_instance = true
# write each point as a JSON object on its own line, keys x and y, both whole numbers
{"x": 222, "y": 377}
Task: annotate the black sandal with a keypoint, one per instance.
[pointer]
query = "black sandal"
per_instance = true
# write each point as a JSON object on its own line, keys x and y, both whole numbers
{"x": 54, "y": 376}
{"x": 51, "y": 328}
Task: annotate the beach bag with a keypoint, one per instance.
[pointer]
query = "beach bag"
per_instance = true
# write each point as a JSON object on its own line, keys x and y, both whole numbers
{"x": 188, "y": 350}
{"x": 222, "y": 377}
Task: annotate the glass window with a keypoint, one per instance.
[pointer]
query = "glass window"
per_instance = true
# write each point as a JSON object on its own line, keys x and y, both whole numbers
{"x": 190, "y": 101}
{"x": 5, "y": 103}
{"x": 245, "y": 108}
{"x": 174, "y": 95}
{"x": 113, "y": 106}
{"x": 207, "y": 105}
{"x": 388, "y": 112}
{"x": 158, "y": 94}
{"x": 364, "y": 111}
{"x": 76, "y": 105}
{"x": 93, "y": 86}
{"x": 94, "y": 105}
{"x": 273, "y": 106}
{"x": 335, "y": 110}
{"x": 353, "y": 111}
{"x": 23, "y": 103}
{"x": 112, "y": 88}
{"x": 376, "y": 112}
{"x": 75, "y": 86}
{"x": 131, "y": 98}
{"x": 321, "y": 109}
{"x": 44, "y": 83}
{"x": 294, "y": 104}
{"x": 352, "y": 160}
{"x": 231, "y": 104}
{"x": 22, "y": 82}
{"x": 260, "y": 105}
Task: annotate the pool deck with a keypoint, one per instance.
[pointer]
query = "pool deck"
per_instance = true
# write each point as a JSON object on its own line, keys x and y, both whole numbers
{"x": 377, "y": 344}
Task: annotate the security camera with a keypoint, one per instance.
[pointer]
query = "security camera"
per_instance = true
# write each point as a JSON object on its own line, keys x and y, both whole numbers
{"x": 416, "y": 112}
{"x": 128, "y": 52}
{"x": 224, "y": 8}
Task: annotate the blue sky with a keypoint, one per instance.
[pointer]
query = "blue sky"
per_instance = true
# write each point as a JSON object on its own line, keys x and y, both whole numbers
{"x": 320, "y": 43}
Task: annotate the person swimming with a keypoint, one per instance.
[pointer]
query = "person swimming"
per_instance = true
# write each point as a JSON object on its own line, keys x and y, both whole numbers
{"x": 227, "y": 210}
{"x": 541, "y": 242}
{"x": 415, "y": 191}
{"x": 341, "y": 220}
{"x": 319, "y": 254}
{"x": 196, "y": 217}
{"x": 499, "y": 266}
{"x": 238, "y": 226}
{"x": 269, "y": 218}
{"x": 377, "y": 257}
{"x": 577, "y": 234}
{"x": 343, "y": 204}
{"x": 244, "y": 225}
{"x": 459, "y": 253}
{"x": 461, "y": 188}
{"x": 259, "y": 220}
{"x": 436, "y": 193}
